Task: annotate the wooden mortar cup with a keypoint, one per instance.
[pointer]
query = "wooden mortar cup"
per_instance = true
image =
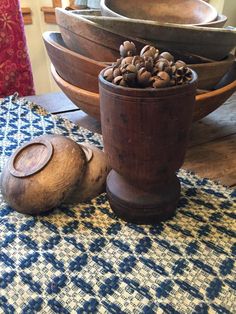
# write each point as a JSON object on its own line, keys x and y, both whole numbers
{"x": 145, "y": 133}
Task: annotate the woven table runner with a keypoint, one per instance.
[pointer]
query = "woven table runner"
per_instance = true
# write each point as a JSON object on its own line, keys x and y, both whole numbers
{"x": 83, "y": 259}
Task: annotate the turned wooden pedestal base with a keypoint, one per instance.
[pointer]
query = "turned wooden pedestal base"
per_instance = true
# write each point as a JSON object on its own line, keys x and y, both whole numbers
{"x": 137, "y": 206}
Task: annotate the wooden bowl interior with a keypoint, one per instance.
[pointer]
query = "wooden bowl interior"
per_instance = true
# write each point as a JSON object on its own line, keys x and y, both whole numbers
{"x": 165, "y": 11}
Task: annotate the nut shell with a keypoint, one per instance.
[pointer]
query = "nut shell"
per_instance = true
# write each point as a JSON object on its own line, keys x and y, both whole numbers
{"x": 127, "y": 49}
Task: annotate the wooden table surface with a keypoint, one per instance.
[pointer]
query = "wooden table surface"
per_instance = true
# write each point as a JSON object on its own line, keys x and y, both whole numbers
{"x": 212, "y": 147}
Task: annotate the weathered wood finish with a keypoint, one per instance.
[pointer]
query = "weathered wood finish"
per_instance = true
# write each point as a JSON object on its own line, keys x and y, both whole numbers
{"x": 212, "y": 147}
{"x": 71, "y": 66}
{"x": 145, "y": 134}
{"x": 192, "y": 12}
{"x": 213, "y": 43}
{"x": 210, "y": 73}
{"x": 89, "y": 39}
{"x": 81, "y": 71}
{"x": 37, "y": 185}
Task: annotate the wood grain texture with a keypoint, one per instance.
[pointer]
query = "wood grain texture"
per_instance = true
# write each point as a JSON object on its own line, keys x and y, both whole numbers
{"x": 218, "y": 124}
{"x": 215, "y": 160}
{"x": 49, "y": 15}
{"x": 44, "y": 189}
{"x": 204, "y": 41}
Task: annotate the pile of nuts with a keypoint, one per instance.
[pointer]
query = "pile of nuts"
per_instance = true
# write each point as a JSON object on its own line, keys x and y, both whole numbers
{"x": 148, "y": 69}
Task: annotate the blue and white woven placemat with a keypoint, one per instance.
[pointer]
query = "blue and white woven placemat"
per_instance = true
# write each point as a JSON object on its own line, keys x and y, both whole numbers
{"x": 83, "y": 259}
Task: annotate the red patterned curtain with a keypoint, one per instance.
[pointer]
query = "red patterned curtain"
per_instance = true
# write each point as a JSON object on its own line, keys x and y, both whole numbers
{"x": 15, "y": 67}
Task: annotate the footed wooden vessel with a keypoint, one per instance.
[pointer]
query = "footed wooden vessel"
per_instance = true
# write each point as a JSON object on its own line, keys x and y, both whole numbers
{"x": 145, "y": 134}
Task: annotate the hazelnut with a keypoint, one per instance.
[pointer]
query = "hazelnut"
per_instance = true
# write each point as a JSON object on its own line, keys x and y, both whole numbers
{"x": 147, "y": 69}
{"x": 179, "y": 64}
{"x": 138, "y": 62}
{"x": 116, "y": 71}
{"x": 148, "y": 63}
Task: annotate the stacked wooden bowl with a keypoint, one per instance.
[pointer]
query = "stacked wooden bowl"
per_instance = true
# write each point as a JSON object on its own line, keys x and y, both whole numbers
{"x": 186, "y": 12}
{"x": 88, "y": 42}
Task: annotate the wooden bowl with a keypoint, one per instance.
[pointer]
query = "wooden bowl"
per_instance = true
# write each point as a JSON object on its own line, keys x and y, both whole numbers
{"x": 194, "y": 12}
{"x": 210, "y": 73}
{"x": 218, "y": 22}
{"x": 82, "y": 71}
{"x": 99, "y": 37}
{"x": 91, "y": 40}
{"x": 210, "y": 42}
{"x": 42, "y": 173}
{"x": 82, "y": 98}
{"x": 89, "y": 102}
{"x": 71, "y": 66}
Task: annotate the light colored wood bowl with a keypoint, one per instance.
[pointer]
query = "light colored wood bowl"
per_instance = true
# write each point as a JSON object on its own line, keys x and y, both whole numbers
{"x": 82, "y": 98}
{"x": 192, "y": 12}
{"x": 89, "y": 102}
{"x": 42, "y": 173}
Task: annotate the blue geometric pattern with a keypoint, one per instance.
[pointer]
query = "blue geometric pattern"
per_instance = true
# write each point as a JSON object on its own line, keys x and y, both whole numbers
{"x": 83, "y": 259}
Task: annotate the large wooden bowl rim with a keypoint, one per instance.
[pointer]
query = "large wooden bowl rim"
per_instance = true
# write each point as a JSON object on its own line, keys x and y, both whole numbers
{"x": 48, "y": 38}
{"x": 84, "y": 92}
{"x": 189, "y": 28}
{"x": 216, "y": 92}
